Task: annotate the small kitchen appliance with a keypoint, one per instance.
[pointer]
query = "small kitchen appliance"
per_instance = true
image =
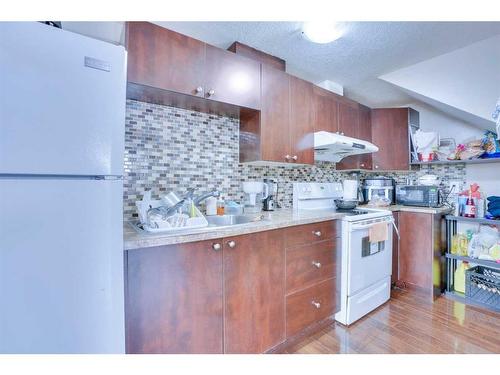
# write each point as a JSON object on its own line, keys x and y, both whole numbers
{"x": 268, "y": 203}
{"x": 255, "y": 193}
{"x": 378, "y": 185}
{"x": 366, "y": 266}
{"x": 418, "y": 195}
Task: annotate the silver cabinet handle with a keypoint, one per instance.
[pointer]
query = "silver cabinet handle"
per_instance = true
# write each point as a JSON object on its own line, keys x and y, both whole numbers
{"x": 362, "y": 165}
{"x": 317, "y": 233}
{"x": 216, "y": 246}
{"x": 199, "y": 90}
{"x": 316, "y": 264}
{"x": 294, "y": 157}
{"x": 376, "y": 167}
{"x": 287, "y": 157}
{"x": 231, "y": 244}
{"x": 316, "y": 304}
{"x": 211, "y": 92}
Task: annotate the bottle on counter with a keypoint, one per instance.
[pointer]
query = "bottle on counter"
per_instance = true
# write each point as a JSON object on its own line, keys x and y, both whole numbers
{"x": 220, "y": 207}
{"x": 470, "y": 207}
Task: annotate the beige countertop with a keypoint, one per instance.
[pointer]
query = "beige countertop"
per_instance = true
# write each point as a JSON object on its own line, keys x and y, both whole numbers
{"x": 133, "y": 239}
{"x": 272, "y": 220}
{"x": 425, "y": 210}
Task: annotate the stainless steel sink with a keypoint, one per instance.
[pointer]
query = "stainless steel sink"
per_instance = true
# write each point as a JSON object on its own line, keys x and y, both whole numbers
{"x": 229, "y": 220}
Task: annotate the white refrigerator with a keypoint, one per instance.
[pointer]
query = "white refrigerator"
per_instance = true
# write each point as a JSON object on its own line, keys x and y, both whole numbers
{"x": 62, "y": 115}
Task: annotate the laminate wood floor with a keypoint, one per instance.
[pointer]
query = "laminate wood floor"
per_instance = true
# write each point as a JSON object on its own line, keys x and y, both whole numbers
{"x": 409, "y": 323}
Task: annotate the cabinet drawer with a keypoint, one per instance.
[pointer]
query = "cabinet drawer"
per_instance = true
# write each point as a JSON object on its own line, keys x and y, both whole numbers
{"x": 310, "y": 305}
{"x": 309, "y": 264}
{"x": 305, "y": 234}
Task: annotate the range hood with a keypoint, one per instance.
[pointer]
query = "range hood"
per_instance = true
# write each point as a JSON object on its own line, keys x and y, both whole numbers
{"x": 334, "y": 147}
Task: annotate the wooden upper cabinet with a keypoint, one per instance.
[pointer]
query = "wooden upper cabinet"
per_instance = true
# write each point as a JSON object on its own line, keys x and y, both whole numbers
{"x": 164, "y": 59}
{"x": 325, "y": 111}
{"x": 275, "y": 115}
{"x": 390, "y": 135}
{"x": 230, "y": 78}
{"x": 301, "y": 121}
{"x": 365, "y": 134}
{"x": 254, "y": 292}
{"x": 174, "y": 299}
{"x": 348, "y": 120}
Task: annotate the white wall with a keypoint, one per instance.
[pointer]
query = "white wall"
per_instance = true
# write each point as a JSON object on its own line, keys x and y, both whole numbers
{"x": 432, "y": 119}
{"x": 487, "y": 176}
{"x": 467, "y": 79}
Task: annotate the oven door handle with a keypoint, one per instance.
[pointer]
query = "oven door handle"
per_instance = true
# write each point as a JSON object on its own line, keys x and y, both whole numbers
{"x": 366, "y": 226}
{"x": 395, "y": 228}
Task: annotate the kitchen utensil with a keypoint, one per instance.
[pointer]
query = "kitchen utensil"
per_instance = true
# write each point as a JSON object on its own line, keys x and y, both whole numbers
{"x": 345, "y": 204}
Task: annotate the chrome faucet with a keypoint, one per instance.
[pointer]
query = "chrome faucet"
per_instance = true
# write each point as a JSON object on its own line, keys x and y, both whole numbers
{"x": 200, "y": 198}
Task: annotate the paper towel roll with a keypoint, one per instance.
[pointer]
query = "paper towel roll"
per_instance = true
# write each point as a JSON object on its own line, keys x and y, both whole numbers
{"x": 350, "y": 188}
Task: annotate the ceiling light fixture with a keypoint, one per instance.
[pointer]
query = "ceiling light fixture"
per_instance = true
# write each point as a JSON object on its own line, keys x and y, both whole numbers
{"x": 321, "y": 31}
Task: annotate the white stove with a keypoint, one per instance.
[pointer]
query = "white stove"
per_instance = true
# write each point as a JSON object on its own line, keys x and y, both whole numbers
{"x": 366, "y": 266}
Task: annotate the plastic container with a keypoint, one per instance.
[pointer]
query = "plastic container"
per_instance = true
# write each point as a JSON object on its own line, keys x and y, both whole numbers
{"x": 482, "y": 285}
{"x": 459, "y": 277}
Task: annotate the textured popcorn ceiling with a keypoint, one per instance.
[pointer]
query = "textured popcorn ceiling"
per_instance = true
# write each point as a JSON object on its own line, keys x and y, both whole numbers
{"x": 366, "y": 50}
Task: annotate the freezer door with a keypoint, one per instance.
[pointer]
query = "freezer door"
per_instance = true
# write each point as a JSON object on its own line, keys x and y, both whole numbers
{"x": 62, "y": 102}
{"x": 61, "y": 266}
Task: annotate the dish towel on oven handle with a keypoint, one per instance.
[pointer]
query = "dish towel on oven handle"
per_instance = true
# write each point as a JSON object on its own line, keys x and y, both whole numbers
{"x": 378, "y": 232}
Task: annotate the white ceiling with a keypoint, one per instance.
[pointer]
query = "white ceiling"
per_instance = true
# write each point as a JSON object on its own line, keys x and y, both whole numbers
{"x": 366, "y": 51}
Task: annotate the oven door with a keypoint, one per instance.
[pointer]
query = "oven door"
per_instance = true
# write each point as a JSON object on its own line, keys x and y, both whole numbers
{"x": 368, "y": 262}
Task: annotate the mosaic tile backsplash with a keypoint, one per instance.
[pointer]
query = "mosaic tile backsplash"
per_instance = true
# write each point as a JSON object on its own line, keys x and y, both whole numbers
{"x": 172, "y": 149}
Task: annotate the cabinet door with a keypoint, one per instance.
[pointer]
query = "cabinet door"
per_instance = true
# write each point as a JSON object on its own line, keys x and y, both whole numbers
{"x": 415, "y": 249}
{"x": 365, "y": 133}
{"x": 164, "y": 59}
{"x": 230, "y": 78}
{"x": 325, "y": 112}
{"x": 174, "y": 299}
{"x": 348, "y": 120}
{"x": 395, "y": 250}
{"x": 254, "y": 292}
{"x": 301, "y": 121}
{"x": 275, "y": 115}
{"x": 390, "y": 134}
{"x": 360, "y": 129}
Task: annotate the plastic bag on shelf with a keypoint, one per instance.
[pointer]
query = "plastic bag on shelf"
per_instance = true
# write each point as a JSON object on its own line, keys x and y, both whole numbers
{"x": 481, "y": 242}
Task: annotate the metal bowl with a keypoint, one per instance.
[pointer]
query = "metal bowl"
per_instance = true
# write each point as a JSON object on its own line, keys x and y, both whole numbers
{"x": 349, "y": 204}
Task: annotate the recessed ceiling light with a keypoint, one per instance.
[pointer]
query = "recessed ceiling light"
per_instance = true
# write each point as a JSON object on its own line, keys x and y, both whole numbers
{"x": 321, "y": 31}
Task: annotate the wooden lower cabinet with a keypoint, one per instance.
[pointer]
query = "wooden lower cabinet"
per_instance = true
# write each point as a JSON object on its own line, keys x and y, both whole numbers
{"x": 174, "y": 299}
{"x": 310, "y": 305}
{"x": 395, "y": 250}
{"x": 420, "y": 251}
{"x": 241, "y": 294}
{"x": 254, "y": 289}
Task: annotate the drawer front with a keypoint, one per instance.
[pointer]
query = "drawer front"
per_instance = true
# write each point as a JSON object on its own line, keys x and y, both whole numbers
{"x": 310, "y": 305}
{"x": 305, "y": 234}
{"x": 309, "y": 264}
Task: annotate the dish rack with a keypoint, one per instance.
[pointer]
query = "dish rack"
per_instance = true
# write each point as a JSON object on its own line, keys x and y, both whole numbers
{"x": 198, "y": 221}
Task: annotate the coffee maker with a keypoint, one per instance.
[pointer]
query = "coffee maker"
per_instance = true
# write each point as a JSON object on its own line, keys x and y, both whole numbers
{"x": 268, "y": 204}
